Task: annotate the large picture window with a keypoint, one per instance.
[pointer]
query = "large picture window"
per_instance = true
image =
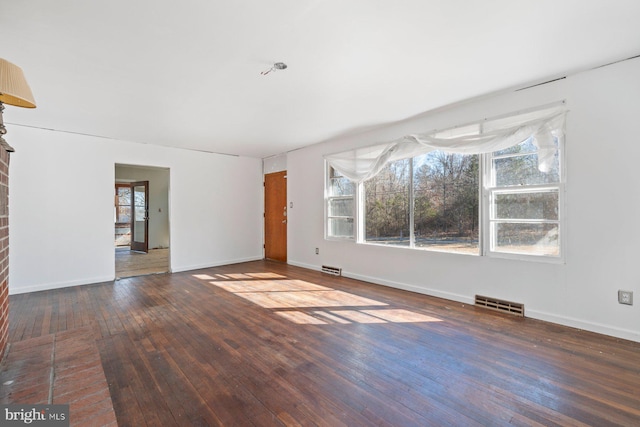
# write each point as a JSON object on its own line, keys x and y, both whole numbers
{"x": 387, "y": 205}
{"x": 428, "y": 201}
{"x": 424, "y": 190}
{"x": 446, "y": 201}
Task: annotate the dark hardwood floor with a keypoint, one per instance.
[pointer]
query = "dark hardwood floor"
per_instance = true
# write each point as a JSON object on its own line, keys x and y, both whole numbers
{"x": 268, "y": 344}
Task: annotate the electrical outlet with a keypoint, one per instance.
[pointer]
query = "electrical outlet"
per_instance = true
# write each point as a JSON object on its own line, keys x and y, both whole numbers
{"x": 317, "y": 251}
{"x": 625, "y": 297}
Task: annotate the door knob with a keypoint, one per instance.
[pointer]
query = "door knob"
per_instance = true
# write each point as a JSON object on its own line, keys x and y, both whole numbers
{"x": 284, "y": 221}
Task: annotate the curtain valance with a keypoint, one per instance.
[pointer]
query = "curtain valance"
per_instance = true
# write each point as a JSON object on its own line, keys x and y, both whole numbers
{"x": 542, "y": 126}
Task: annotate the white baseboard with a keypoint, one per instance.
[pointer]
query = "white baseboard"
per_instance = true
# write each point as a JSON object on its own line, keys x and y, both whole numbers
{"x": 599, "y": 328}
{"x": 93, "y": 280}
{"x": 392, "y": 284}
{"x": 534, "y": 314}
{"x": 307, "y": 266}
{"x": 214, "y": 264}
{"x": 406, "y": 287}
{"x": 58, "y": 285}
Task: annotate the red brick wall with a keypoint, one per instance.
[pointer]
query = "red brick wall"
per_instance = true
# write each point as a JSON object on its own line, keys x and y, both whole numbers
{"x": 4, "y": 249}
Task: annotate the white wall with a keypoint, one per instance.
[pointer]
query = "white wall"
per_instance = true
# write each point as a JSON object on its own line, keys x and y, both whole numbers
{"x": 275, "y": 164}
{"x": 602, "y": 211}
{"x": 158, "y": 199}
{"x": 61, "y": 207}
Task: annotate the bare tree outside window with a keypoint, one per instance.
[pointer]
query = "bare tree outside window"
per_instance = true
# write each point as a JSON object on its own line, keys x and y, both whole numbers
{"x": 446, "y": 201}
{"x": 387, "y": 205}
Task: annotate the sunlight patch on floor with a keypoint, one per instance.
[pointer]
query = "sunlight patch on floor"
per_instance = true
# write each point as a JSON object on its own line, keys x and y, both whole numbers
{"x": 300, "y": 318}
{"x": 358, "y": 316}
{"x": 274, "y": 291}
{"x": 238, "y": 276}
{"x": 355, "y": 316}
{"x": 307, "y": 299}
{"x": 400, "y": 316}
{"x": 270, "y": 286}
{"x": 331, "y": 317}
{"x": 265, "y": 275}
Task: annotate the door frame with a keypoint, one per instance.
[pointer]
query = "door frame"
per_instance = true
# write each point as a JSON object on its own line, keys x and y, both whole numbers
{"x": 160, "y": 189}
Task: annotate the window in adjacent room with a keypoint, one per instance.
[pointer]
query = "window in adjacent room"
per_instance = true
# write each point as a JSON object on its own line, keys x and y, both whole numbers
{"x": 122, "y": 214}
{"x": 123, "y": 204}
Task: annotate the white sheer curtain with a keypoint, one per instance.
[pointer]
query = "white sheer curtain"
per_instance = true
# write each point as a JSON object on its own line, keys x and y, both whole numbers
{"x": 497, "y": 134}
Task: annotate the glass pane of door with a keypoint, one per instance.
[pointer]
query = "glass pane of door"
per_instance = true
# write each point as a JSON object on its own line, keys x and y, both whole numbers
{"x": 140, "y": 216}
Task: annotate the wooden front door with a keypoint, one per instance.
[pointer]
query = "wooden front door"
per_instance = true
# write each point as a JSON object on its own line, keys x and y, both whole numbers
{"x": 140, "y": 216}
{"x": 275, "y": 216}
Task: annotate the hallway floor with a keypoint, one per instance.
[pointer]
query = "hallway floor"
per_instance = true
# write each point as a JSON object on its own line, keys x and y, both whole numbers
{"x": 130, "y": 264}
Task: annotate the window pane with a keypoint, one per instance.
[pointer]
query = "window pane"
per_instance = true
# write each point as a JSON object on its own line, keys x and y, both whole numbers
{"x": 140, "y": 211}
{"x": 387, "y": 205}
{"x": 530, "y": 239}
{"x": 334, "y": 173}
{"x": 341, "y": 207}
{"x": 340, "y": 187}
{"x": 139, "y": 197}
{"x": 459, "y": 245}
{"x": 526, "y": 146}
{"x": 537, "y": 205}
{"x": 124, "y": 214}
{"x": 124, "y": 195}
{"x": 340, "y": 227}
{"x": 523, "y": 170}
{"x": 446, "y": 201}
{"x": 340, "y": 203}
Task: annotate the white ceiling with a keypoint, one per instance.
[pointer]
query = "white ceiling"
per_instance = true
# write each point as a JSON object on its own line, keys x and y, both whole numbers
{"x": 188, "y": 73}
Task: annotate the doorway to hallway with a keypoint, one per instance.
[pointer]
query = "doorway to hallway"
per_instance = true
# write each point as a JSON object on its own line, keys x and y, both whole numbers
{"x": 141, "y": 220}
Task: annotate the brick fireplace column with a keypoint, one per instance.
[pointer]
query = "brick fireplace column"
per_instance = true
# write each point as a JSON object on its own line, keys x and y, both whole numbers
{"x": 4, "y": 247}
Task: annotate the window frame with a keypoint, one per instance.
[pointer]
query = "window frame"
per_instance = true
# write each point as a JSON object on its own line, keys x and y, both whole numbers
{"x": 490, "y": 190}
{"x": 411, "y": 212}
{"x": 327, "y": 204}
{"x": 361, "y": 237}
{"x": 487, "y": 191}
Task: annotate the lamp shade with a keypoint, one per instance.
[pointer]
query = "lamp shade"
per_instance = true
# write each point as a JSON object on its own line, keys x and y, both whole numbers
{"x": 14, "y": 89}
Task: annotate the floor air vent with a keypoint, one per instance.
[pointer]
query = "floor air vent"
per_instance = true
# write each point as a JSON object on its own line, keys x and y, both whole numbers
{"x": 500, "y": 305}
{"x": 332, "y": 270}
